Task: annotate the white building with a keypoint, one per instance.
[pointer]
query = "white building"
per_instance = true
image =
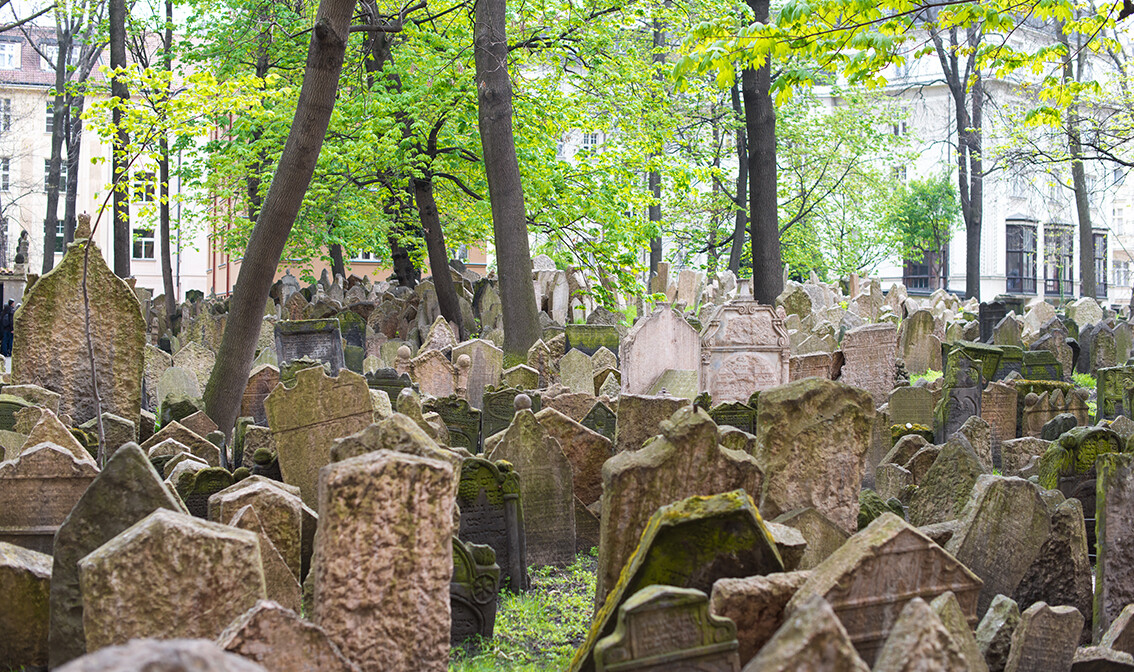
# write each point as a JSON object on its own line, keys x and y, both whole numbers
{"x": 26, "y": 82}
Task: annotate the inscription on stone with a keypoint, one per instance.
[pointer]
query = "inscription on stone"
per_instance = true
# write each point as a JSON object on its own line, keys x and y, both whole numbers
{"x": 316, "y": 339}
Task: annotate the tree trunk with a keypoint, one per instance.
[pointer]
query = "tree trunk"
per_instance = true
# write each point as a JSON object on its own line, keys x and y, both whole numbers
{"x": 281, "y": 205}
{"x": 438, "y": 258}
{"x": 658, "y": 59}
{"x": 119, "y": 160}
{"x": 55, "y": 162}
{"x": 74, "y": 147}
{"x": 163, "y": 166}
{"x": 741, "y": 225}
{"x": 338, "y": 265}
{"x": 760, "y": 120}
{"x": 404, "y": 269}
{"x": 502, "y": 170}
{"x": 1088, "y": 283}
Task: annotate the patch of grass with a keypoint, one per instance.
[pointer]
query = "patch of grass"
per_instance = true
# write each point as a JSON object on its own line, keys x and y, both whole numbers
{"x": 929, "y": 376}
{"x": 540, "y": 629}
{"x": 1084, "y": 380}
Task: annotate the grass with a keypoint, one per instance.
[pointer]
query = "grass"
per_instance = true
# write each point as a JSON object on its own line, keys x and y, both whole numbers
{"x": 929, "y": 376}
{"x": 540, "y": 629}
{"x": 1084, "y": 380}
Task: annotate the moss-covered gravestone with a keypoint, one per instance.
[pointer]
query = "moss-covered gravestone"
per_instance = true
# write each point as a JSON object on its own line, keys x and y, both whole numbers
{"x": 462, "y": 421}
{"x": 689, "y": 544}
{"x": 127, "y": 490}
{"x": 50, "y": 344}
{"x": 473, "y": 592}
{"x": 25, "y": 581}
{"x": 601, "y": 419}
{"x": 1114, "y": 570}
{"x": 37, "y": 491}
{"x": 492, "y": 515}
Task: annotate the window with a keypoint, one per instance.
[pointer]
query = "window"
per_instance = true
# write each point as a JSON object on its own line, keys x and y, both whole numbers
{"x": 1118, "y": 217}
{"x": 60, "y": 234}
{"x": 1021, "y": 249}
{"x": 62, "y": 175}
{"x": 899, "y": 129}
{"x": 9, "y": 55}
{"x": 1058, "y": 259}
{"x": 590, "y": 141}
{"x": 1122, "y": 273}
{"x": 143, "y": 243}
{"x": 50, "y": 126}
{"x": 5, "y": 175}
{"x": 49, "y": 57}
{"x": 5, "y": 114}
{"x": 1018, "y": 186}
{"x": 144, "y": 187}
{"x": 898, "y": 173}
{"x": 362, "y": 256}
{"x": 1100, "y": 265}
{"x": 462, "y": 253}
{"x": 924, "y": 276}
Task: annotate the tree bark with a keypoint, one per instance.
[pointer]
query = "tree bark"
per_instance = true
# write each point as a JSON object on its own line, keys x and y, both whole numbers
{"x": 163, "y": 168}
{"x": 654, "y": 178}
{"x": 119, "y": 160}
{"x": 55, "y": 162}
{"x": 338, "y": 264}
{"x": 281, "y": 205}
{"x": 502, "y": 170}
{"x": 760, "y": 120}
{"x": 1088, "y": 283}
{"x": 741, "y": 225}
{"x": 438, "y": 258}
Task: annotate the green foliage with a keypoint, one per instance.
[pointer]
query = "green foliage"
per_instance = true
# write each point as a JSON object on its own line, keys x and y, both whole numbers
{"x": 1084, "y": 380}
{"x": 539, "y": 629}
{"x": 924, "y": 214}
{"x": 929, "y": 376}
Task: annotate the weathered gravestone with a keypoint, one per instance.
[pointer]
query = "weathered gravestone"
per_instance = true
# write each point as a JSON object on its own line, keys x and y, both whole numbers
{"x": 591, "y": 337}
{"x": 126, "y": 491}
{"x": 389, "y": 381}
{"x": 688, "y": 544}
{"x": 37, "y": 491}
{"x": 868, "y": 354}
{"x": 575, "y": 372}
{"x": 489, "y": 499}
{"x": 1114, "y": 518}
{"x": 156, "y": 361}
{"x": 735, "y": 414}
{"x": 961, "y": 396}
{"x": 743, "y": 348}
{"x": 686, "y": 460}
{"x": 280, "y": 640}
{"x": 663, "y": 628}
{"x": 500, "y": 408}
{"x": 261, "y": 382}
{"x": 656, "y": 343}
{"x": 639, "y": 417}
{"x": 434, "y": 374}
{"x": 384, "y": 560}
{"x": 869, "y": 580}
{"x": 171, "y": 655}
{"x": 196, "y": 358}
{"x": 911, "y": 405}
{"x": 281, "y": 584}
{"x": 280, "y": 513}
{"x": 1056, "y": 344}
{"x": 919, "y": 343}
{"x": 811, "y": 640}
{"x": 815, "y": 365}
{"x": 462, "y": 421}
{"x": 306, "y": 418}
{"x": 1045, "y": 639}
{"x": 1113, "y": 390}
{"x": 546, "y": 489}
{"x": 813, "y": 436}
{"x": 919, "y": 635}
{"x": 485, "y": 368}
{"x": 990, "y": 314}
{"x": 473, "y": 592}
{"x": 129, "y": 591}
{"x": 50, "y": 342}
{"x": 25, "y": 583}
{"x": 585, "y": 449}
{"x": 319, "y": 340}
{"x": 601, "y": 419}
{"x": 998, "y": 407}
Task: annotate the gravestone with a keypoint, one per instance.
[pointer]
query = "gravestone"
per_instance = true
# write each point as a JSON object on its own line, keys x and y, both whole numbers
{"x": 998, "y": 407}
{"x": 743, "y": 348}
{"x": 919, "y": 343}
{"x": 280, "y": 513}
{"x": 50, "y": 338}
{"x": 601, "y": 419}
{"x": 911, "y": 405}
{"x": 473, "y": 592}
{"x": 196, "y": 358}
{"x": 1113, "y": 385}
{"x": 546, "y": 489}
{"x": 500, "y": 408}
{"x": 389, "y": 381}
{"x": 665, "y": 628}
{"x": 171, "y": 655}
{"x": 489, "y": 500}
{"x": 156, "y": 361}
{"x": 1114, "y": 518}
{"x": 1045, "y": 639}
{"x": 25, "y": 583}
{"x": 1007, "y": 332}
{"x": 868, "y": 354}
{"x": 434, "y": 374}
{"x": 126, "y": 491}
{"x": 686, "y": 460}
{"x": 756, "y": 605}
{"x": 188, "y": 439}
{"x": 869, "y": 580}
{"x": 385, "y": 615}
{"x": 735, "y": 414}
{"x": 990, "y": 314}
{"x": 319, "y": 340}
{"x": 688, "y": 544}
{"x": 823, "y": 537}
{"x": 38, "y": 489}
{"x": 1104, "y": 349}
{"x": 1056, "y": 344}
{"x": 129, "y": 591}
{"x": 281, "y": 584}
{"x": 306, "y": 418}
{"x": 575, "y": 372}
{"x": 811, "y": 640}
{"x": 655, "y": 344}
{"x": 639, "y": 417}
{"x": 815, "y": 365}
{"x": 919, "y": 635}
{"x": 462, "y": 421}
{"x": 261, "y": 382}
{"x": 813, "y": 436}
{"x": 485, "y": 369}
{"x": 961, "y": 397}
{"x": 585, "y": 449}
{"x": 994, "y": 633}
{"x": 280, "y": 640}
{"x": 590, "y": 337}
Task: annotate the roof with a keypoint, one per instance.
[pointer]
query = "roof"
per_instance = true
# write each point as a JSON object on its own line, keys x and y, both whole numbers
{"x": 31, "y": 72}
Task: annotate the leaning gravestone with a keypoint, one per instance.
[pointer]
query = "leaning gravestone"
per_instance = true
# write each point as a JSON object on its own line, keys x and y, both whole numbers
{"x": 1114, "y": 519}
{"x": 918, "y": 635}
{"x": 280, "y": 640}
{"x": 686, "y": 460}
{"x": 688, "y": 544}
{"x": 37, "y": 491}
{"x": 384, "y": 559}
{"x": 869, "y": 364}
{"x": 546, "y": 489}
{"x": 813, "y": 436}
{"x": 261, "y": 382}
{"x": 315, "y": 339}
{"x": 665, "y": 628}
{"x": 129, "y": 591}
{"x": 50, "y": 346}
{"x": 126, "y": 491}
{"x": 489, "y": 499}
{"x": 870, "y": 578}
{"x": 655, "y": 344}
{"x": 306, "y": 418}
{"x": 1045, "y": 639}
{"x": 743, "y": 348}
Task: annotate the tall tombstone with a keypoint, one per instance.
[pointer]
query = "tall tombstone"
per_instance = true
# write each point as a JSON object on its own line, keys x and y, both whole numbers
{"x": 656, "y": 343}
{"x": 486, "y": 368}
{"x": 306, "y": 418}
{"x": 585, "y": 449}
{"x": 50, "y": 343}
{"x": 261, "y": 382}
{"x": 546, "y": 488}
{"x": 37, "y": 490}
{"x": 919, "y": 343}
{"x": 869, "y": 363}
{"x": 155, "y": 364}
{"x": 990, "y": 314}
{"x": 130, "y": 592}
{"x": 196, "y": 358}
{"x": 686, "y": 460}
{"x": 1114, "y": 520}
{"x": 960, "y": 398}
{"x": 320, "y": 340}
{"x": 743, "y": 348}
{"x": 1104, "y": 351}
{"x": 492, "y": 515}
{"x": 813, "y": 436}
{"x": 871, "y": 577}
{"x": 384, "y": 560}
{"x": 998, "y": 407}
{"x": 126, "y": 491}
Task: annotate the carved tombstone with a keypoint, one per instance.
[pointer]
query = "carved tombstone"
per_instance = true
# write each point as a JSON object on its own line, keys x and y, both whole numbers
{"x": 658, "y": 342}
{"x": 315, "y": 339}
{"x": 489, "y": 500}
{"x": 869, "y": 363}
{"x": 38, "y": 489}
{"x": 960, "y": 399}
{"x": 743, "y": 348}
